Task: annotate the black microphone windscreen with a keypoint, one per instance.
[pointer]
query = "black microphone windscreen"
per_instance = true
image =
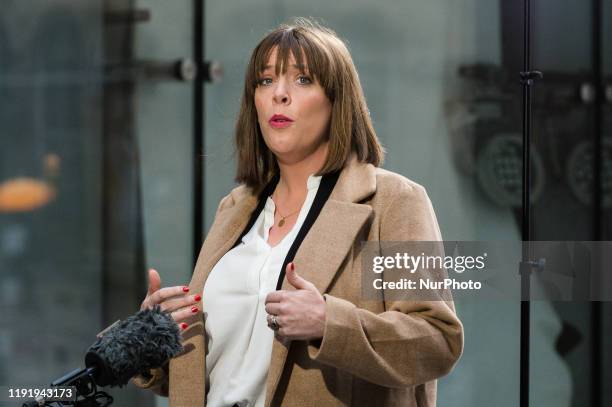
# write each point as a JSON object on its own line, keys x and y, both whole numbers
{"x": 143, "y": 341}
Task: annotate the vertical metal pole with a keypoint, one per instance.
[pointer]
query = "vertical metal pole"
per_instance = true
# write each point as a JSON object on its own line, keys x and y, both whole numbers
{"x": 527, "y": 78}
{"x": 198, "y": 127}
{"x": 596, "y": 329}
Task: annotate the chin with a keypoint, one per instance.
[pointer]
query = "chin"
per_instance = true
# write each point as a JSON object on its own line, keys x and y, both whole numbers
{"x": 282, "y": 152}
{"x": 281, "y": 148}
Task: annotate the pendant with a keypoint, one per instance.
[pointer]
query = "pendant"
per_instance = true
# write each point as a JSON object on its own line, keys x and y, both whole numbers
{"x": 281, "y": 222}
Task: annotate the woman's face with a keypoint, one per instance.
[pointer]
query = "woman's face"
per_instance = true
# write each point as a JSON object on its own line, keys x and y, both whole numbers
{"x": 293, "y": 111}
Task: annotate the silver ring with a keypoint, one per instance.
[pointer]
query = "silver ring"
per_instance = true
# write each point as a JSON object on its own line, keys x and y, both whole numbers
{"x": 274, "y": 323}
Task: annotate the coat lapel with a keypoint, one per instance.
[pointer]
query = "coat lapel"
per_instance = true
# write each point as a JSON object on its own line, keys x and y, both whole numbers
{"x": 328, "y": 242}
{"x": 224, "y": 233}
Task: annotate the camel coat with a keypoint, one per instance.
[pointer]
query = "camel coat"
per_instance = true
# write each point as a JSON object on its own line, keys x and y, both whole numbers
{"x": 373, "y": 353}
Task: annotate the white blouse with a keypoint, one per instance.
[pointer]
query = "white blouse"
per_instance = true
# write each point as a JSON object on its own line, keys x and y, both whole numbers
{"x": 239, "y": 340}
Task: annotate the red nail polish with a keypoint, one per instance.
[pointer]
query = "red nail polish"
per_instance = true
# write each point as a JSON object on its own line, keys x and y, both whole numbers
{"x": 292, "y": 266}
{"x": 184, "y": 326}
{"x": 194, "y": 309}
{"x": 197, "y": 298}
{"x": 185, "y": 289}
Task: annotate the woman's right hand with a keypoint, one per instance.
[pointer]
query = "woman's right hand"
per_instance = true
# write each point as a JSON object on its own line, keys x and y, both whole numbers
{"x": 175, "y": 300}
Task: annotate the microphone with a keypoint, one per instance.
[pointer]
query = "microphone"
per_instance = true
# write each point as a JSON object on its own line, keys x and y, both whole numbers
{"x": 143, "y": 341}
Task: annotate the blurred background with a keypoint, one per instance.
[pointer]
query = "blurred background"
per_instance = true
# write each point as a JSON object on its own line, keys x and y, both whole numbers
{"x": 116, "y": 134}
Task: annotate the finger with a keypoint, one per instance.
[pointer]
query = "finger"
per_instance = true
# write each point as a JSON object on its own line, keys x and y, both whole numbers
{"x": 180, "y": 302}
{"x": 154, "y": 281}
{"x": 184, "y": 313}
{"x": 166, "y": 293}
{"x": 283, "y": 331}
{"x": 274, "y": 308}
{"x": 276, "y": 296}
{"x": 279, "y": 322}
{"x": 295, "y": 280}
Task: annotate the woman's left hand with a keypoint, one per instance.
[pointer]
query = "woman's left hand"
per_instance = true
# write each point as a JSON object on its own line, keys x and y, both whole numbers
{"x": 300, "y": 313}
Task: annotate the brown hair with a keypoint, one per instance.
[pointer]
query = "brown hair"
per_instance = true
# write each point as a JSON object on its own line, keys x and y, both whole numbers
{"x": 330, "y": 63}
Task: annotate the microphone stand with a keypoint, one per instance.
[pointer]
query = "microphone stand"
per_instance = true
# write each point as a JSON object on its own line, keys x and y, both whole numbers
{"x": 87, "y": 393}
{"x": 527, "y": 265}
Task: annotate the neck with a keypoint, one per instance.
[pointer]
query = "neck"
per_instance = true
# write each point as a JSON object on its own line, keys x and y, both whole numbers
{"x": 294, "y": 173}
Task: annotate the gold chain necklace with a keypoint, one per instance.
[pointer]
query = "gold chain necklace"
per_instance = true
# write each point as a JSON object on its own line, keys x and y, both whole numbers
{"x": 282, "y": 221}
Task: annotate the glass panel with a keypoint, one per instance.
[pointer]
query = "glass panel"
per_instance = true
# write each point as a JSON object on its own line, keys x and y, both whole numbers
{"x": 51, "y": 232}
{"x": 164, "y": 123}
{"x": 96, "y": 143}
{"x": 164, "y": 128}
{"x": 430, "y": 73}
{"x": 564, "y": 210}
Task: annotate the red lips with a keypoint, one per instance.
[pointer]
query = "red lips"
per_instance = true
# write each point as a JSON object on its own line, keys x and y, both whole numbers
{"x": 280, "y": 117}
{"x": 280, "y": 121}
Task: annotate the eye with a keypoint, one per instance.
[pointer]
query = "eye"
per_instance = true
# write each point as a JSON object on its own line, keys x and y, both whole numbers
{"x": 263, "y": 82}
{"x": 304, "y": 80}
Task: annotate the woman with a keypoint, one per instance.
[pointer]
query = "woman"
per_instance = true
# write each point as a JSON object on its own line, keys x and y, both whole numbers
{"x": 283, "y": 320}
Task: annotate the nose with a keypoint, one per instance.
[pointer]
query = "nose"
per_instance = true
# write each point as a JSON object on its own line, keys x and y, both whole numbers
{"x": 281, "y": 92}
